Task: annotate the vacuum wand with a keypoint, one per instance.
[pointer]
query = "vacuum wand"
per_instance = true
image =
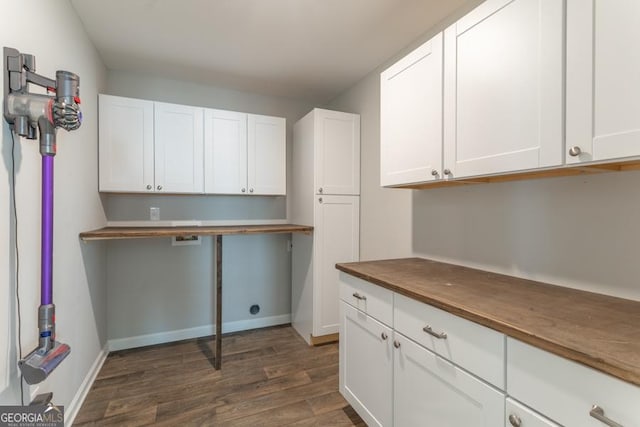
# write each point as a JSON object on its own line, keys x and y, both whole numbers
{"x": 25, "y": 111}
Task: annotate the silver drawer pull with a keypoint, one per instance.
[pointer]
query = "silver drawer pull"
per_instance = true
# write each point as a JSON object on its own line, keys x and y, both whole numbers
{"x": 598, "y": 413}
{"x": 384, "y": 336}
{"x": 360, "y": 297}
{"x": 515, "y": 420}
{"x": 430, "y": 331}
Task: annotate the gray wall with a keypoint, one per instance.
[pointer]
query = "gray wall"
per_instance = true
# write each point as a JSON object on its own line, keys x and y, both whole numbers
{"x": 51, "y": 31}
{"x": 580, "y": 232}
{"x": 155, "y": 289}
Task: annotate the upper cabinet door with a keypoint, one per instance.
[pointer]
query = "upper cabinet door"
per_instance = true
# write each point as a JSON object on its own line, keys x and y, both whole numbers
{"x": 126, "y": 144}
{"x": 267, "y": 155}
{"x": 503, "y": 88}
{"x": 411, "y": 117}
{"x": 337, "y": 152}
{"x": 225, "y": 147}
{"x": 178, "y": 148}
{"x": 603, "y": 88}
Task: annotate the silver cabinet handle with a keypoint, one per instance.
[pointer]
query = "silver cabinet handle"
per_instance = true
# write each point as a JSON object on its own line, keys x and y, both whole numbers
{"x": 159, "y": 187}
{"x": 244, "y": 190}
{"x": 384, "y": 336}
{"x": 434, "y": 172}
{"x": 149, "y": 187}
{"x": 319, "y": 199}
{"x": 515, "y": 420}
{"x": 396, "y": 344}
{"x": 575, "y": 151}
{"x": 598, "y": 413}
{"x": 320, "y": 190}
{"x": 251, "y": 190}
{"x": 447, "y": 171}
{"x": 430, "y": 331}
{"x": 360, "y": 297}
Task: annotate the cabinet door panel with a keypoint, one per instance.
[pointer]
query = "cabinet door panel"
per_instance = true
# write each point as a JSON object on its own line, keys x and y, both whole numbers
{"x": 337, "y": 152}
{"x": 503, "y": 88}
{"x": 126, "y": 144}
{"x": 267, "y": 155}
{"x": 411, "y": 117}
{"x": 225, "y": 140}
{"x": 336, "y": 239}
{"x": 179, "y": 147}
{"x": 603, "y": 107}
{"x": 366, "y": 367}
{"x": 430, "y": 391}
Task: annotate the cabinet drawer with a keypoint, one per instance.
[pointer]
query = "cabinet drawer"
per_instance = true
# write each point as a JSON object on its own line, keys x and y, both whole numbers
{"x": 519, "y": 415}
{"x": 371, "y": 299}
{"x": 565, "y": 391}
{"x": 476, "y": 348}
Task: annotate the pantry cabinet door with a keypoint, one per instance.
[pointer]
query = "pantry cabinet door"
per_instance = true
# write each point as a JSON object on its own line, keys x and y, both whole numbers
{"x": 411, "y": 117}
{"x": 503, "y": 88}
{"x": 179, "y": 144}
{"x": 336, "y": 237}
{"x": 337, "y": 152}
{"x": 603, "y": 84}
{"x": 225, "y": 151}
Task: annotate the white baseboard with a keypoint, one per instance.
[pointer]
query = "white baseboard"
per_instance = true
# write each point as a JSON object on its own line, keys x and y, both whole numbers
{"x": 199, "y": 331}
{"x": 72, "y": 410}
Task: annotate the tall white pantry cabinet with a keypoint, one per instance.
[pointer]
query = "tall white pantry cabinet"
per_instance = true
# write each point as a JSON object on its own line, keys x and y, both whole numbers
{"x": 326, "y": 195}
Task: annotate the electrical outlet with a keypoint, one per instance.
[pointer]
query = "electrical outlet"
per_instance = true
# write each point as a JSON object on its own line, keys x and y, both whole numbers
{"x": 154, "y": 214}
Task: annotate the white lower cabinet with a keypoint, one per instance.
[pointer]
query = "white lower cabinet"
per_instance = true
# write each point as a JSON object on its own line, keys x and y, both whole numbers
{"x": 366, "y": 365}
{"x": 390, "y": 380}
{"x": 430, "y": 391}
{"x": 566, "y": 392}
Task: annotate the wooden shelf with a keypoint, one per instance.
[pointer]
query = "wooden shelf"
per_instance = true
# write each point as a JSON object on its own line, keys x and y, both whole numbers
{"x": 110, "y": 233}
{"x": 599, "y": 331}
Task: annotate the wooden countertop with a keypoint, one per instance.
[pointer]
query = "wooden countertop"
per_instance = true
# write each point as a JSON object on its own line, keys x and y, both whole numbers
{"x": 107, "y": 233}
{"x": 600, "y": 331}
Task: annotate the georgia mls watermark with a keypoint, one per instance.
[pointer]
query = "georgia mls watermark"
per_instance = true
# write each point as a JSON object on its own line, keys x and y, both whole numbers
{"x": 32, "y": 416}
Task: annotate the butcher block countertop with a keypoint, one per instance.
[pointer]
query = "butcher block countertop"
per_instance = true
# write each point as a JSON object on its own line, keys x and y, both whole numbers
{"x": 109, "y": 233}
{"x": 599, "y": 331}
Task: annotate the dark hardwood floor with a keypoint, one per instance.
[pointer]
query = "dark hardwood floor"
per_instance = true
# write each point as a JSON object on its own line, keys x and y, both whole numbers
{"x": 269, "y": 377}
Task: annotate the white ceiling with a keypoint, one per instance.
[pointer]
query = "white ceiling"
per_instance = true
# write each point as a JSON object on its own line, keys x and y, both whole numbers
{"x": 304, "y": 49}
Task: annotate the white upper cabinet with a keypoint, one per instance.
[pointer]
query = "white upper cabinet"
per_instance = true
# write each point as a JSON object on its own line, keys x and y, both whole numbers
{"x": 337, "y": 152}
{"x": 411, "y": 117}
{"x": 503, "y": 88}
{"x": 245, "y": 154}
{"x": 603, "y": 84}
{"x": 148, "y": 146}
{"x": 225, "y": 147}
{"x": 267, "y": 155}
{"x": 126, "y": 144}
{"x": 178, "y": 148}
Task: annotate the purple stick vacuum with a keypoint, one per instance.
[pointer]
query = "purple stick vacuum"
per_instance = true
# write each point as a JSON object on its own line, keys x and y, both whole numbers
{"x": 25, "y": 111}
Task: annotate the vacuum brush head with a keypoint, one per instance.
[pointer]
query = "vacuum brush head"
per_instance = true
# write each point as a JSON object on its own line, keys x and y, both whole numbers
{"x": 37, "y": 366}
